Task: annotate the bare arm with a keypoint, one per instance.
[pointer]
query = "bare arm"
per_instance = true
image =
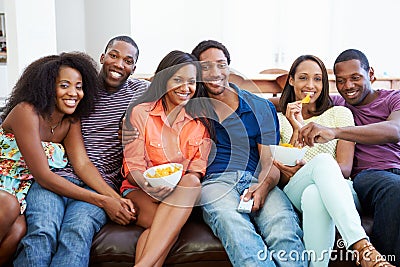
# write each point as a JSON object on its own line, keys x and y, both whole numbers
{"x": 295, "y": 118}
{"x": 376, "y": 133}
{"x": 24, "y": 117}
{"x": 81, "y": 163}
{"x": 269, "y": 175}
{"x": 118, "y": 209}
{"x": 29, "y": 142}
{"x": 267, "y": 179}
{"x": 344, "y": 156}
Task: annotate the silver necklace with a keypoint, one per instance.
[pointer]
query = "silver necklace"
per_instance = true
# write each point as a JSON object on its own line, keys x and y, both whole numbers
{"x": 52, "y": 128}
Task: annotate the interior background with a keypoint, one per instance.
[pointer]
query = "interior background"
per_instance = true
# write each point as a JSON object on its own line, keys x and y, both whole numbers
{"x": 259, "y": 34}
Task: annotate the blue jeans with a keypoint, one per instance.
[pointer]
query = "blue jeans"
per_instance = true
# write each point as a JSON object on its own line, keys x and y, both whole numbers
{"x": 379, "y": 194}
{"x": 269, "y": 237}
{"x": 59, "y": 229}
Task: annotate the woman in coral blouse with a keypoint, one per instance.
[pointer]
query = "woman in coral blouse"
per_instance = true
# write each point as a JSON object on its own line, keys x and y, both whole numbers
{"x": 173, "y": 127}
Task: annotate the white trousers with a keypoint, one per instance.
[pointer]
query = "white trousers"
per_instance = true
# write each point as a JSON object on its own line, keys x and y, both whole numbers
{"x": 325, "y": 199}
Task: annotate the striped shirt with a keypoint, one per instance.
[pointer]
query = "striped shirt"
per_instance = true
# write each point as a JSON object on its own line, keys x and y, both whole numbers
{"x": 100, "y": 131}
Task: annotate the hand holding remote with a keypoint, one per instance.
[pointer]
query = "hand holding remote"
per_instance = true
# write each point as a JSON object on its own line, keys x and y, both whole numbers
{"x": 245, "y": 206}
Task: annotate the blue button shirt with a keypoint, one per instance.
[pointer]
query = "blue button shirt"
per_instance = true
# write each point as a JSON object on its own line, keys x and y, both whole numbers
{"x": 254, "y": 122}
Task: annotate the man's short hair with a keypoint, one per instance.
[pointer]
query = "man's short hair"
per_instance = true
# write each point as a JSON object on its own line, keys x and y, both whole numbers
{"x": 126, "y": 39}
{"x": 351, "y": 54}
{"x": 204, "y": 45}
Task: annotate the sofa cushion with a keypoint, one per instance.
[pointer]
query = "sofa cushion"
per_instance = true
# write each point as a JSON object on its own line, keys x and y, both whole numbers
{"x": 114, "y": 245}
{"x": 196, "y": 246}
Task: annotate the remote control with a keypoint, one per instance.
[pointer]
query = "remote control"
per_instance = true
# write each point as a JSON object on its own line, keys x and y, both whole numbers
{"x": 245, "y": 206}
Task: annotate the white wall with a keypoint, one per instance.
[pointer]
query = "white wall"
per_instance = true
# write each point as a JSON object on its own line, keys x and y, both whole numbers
{"x": 70, "y": 25}
{"x": 3, "y": 66}
{"x": 264, "y": 34}
{"x": 31, "y": 34}
{"x": 3, "y": 83}
{"x": 259, "y": 34}
{"x": 161, "y": 26}
{"x": 304, "y": 29}
{"x": 87, "y": 25}
{"x": 372, "y": 27}
{"x": 105, "y": 19}
{"x": 41, "y": 27}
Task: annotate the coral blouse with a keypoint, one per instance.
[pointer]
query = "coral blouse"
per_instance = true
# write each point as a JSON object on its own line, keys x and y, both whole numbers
{"x": 186, "y": 141}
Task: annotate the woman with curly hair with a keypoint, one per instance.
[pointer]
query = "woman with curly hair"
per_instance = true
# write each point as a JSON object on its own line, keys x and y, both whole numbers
{"x": 40, "y": 129}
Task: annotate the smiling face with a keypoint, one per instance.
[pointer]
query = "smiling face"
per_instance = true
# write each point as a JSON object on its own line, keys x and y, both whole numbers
{"x": 181, "y": 87}
{"x": 353, "y": 82}
{"x": 118, "y": 63}
{"x": 69, "y": 90}
{"x": 307, "y": 80}
{"x": 215, "y": 70}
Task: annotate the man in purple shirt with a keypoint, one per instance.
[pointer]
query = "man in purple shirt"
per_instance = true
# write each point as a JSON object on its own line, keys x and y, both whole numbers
{"x": 376, "y": 169}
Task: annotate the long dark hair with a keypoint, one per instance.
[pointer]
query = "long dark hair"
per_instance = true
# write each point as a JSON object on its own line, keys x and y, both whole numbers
{"x": 37, "y": 84}
{"x": 198, "y": 107}
{"x": 323, "y": 102}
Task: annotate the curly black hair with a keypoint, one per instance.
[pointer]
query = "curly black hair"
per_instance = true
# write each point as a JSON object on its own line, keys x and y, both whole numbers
{"x": 37, "y": 84}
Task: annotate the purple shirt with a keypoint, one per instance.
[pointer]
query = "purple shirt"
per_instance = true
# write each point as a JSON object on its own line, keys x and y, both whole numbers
{"x": 379, "y": 157}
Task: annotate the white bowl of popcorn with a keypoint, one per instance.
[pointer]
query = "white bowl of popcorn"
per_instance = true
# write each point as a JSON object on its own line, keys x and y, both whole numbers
{"x": 168, "y": 174}
{"x": 286, "y": 154}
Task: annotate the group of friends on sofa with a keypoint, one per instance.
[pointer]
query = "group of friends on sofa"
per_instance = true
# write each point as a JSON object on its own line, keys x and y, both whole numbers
{"x": 75, "y": 143}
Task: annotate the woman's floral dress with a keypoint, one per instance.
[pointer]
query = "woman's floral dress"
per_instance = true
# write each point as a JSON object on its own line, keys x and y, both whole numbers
{"x": 15, "y": 177}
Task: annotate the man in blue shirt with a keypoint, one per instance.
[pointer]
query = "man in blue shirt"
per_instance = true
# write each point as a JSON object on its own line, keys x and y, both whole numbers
{"x": 245, "y": 126}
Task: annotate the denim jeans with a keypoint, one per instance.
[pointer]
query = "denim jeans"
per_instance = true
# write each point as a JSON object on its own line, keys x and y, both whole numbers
{"x": 268, "y": 237}
{"x": 325, "y": 199}
{"x": 59, "y": 229}
{"x": 379, "y": 194}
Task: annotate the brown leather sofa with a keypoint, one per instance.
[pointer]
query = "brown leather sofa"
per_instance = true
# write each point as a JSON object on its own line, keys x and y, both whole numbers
{"x": 197, "y": 246}
{"x": 114, "y": 246}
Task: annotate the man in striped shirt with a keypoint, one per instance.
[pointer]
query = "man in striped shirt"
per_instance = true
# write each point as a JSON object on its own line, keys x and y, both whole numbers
{"x": 100, "y": 128}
